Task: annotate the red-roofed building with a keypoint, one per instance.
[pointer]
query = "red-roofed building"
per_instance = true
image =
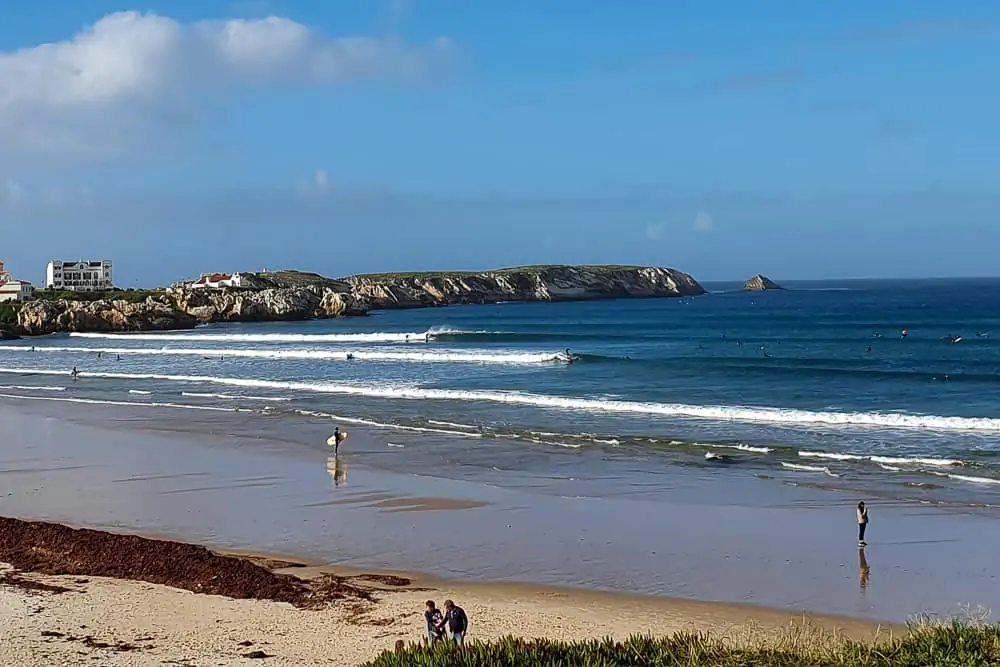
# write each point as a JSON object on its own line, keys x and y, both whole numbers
{"x": 14, "y": 290}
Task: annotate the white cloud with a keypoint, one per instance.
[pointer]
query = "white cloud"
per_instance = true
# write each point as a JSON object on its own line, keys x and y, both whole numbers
{"x": 655, "y": 231}
{"x": 100, "y": 93}
{"x": 322, "y": 180}
{"x": 704, "y": 222}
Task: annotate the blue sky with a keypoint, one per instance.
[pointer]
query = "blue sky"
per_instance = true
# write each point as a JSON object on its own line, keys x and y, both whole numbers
{"x": 803, "y": 140}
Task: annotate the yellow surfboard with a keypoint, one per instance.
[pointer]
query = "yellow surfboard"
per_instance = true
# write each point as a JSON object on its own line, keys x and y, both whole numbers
{"x": 332, "y": 440}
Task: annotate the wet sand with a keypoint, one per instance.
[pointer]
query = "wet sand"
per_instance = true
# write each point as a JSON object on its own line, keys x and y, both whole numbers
{"x": 109, "y": 467}
{"x": 178, "y": 603}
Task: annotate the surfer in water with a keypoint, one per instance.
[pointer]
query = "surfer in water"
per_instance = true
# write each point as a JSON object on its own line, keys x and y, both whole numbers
{"x": 74, "y": 373}
{"x": 350, "y": 356}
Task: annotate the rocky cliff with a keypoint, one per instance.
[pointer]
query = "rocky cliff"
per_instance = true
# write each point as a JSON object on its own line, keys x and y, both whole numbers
{"x": 186, "y": 308}
{"x": 761, "y": 283}
{"x": 553, "y": 283}
{"x": 292, "y": 296}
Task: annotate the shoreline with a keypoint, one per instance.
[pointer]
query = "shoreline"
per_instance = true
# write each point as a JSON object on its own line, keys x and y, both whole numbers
{"x": 246, "y": 483}
{"x": 167, "y": 622}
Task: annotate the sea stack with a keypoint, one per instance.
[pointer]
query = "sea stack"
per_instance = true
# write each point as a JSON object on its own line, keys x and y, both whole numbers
{"x": 761, "y": 283}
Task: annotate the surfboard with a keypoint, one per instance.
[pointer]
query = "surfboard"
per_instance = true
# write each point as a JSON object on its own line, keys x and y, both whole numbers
{"x": 332, "y": 440}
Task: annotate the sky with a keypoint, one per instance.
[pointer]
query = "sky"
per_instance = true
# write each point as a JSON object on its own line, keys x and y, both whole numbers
{"x": 725, "y": 139}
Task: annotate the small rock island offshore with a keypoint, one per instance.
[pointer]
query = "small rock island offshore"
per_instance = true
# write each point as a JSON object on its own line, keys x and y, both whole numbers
{"x": 294, "y": 296}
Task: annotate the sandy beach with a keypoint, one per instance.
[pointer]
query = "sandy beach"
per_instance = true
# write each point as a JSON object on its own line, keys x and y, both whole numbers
{"x": 83, "y": 619}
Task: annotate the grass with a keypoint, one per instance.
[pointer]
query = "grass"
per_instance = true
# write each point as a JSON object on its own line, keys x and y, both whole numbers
{"x": 432, "y": 275}
{"x": 953, "y": 644}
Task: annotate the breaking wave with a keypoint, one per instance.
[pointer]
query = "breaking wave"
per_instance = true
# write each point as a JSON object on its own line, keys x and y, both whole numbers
{"x": 766, "y": 415}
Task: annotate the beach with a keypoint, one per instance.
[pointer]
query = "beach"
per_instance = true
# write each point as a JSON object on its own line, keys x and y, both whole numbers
{"x": 227, "y": 480}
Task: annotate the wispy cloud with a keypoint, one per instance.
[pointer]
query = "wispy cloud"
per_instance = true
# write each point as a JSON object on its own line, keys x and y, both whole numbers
{"x": 918, "y": 31}
{"x": 704, "y": 222}
{"x": 756, "y": 80}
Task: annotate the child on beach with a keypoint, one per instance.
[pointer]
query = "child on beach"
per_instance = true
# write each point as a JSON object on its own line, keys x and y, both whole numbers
{"x": 435, "y": 623}
{"x": 862, "y": 523}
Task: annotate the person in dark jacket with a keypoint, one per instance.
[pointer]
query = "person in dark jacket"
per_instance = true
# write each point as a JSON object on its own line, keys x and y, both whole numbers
{"x": 862, "y": 523}
{"x": 435, "y": 623}
{"x": 457, "y": 622}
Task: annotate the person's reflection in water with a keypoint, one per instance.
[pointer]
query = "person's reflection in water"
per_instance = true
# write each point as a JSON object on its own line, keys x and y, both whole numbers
{"x": 864, "y": 572}
{"x": 337, "y": 469}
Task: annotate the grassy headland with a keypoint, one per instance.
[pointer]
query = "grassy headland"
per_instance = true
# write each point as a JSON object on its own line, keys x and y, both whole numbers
{"x": 437, "y": 275}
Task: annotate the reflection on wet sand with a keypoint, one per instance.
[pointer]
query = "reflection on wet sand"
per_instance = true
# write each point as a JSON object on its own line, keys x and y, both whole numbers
{"x": 337, "y": 470}
{"x": 863, "y": 569}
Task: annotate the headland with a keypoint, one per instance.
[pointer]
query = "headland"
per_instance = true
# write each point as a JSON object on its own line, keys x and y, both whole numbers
{"x": 284, "y": 296}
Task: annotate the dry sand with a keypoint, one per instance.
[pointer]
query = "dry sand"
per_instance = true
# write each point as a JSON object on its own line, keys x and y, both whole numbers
{"x": 113, "y": 622}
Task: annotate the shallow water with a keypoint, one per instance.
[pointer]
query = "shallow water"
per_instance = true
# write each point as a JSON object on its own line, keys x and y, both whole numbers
{"x": 245, "y": 481}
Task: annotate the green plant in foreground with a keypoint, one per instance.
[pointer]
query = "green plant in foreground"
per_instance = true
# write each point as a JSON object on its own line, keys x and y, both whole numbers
{"x": 953, "y": 645}
{"x": 8, "y": 312}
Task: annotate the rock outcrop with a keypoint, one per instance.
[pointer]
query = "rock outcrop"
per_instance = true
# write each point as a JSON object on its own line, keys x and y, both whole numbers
{"x": 554, "y": 283}
{"x": 269, "y": 304}
{"x": 155, "y": 313}
{"x": 185, "y": 309}
{"x": 761, "y": 283}
{"x": 293, "y": 296}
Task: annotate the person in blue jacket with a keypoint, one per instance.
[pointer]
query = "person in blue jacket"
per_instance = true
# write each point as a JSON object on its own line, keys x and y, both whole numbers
{"x": 457, "y": 621}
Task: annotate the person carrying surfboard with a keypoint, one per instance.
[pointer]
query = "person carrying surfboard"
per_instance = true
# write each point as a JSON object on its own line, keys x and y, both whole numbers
{"x": 338, "y": 438}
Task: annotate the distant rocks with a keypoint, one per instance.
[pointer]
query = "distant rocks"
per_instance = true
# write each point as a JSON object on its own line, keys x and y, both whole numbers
{"x": 531, "y": 283}
{"x": 8, "y": 335}
{"x": 761, "y": 283}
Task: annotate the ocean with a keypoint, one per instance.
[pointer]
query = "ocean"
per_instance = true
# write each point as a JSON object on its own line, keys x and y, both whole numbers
{"x": 812, "y": 387}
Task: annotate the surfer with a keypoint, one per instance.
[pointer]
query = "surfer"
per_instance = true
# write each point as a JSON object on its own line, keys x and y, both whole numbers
{"x": 712, "y": 456}
{"x": 350, "y": 356}
{"x": 904, "y": 333}
{"x": 74, "y": 373}
{"x": 569, "y": 356}
{"x": 862, "y": 523}
{"x": 869, "y": 349}
{"x": 338, "y": 438}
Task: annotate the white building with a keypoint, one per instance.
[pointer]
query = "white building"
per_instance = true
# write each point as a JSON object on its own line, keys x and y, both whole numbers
{"x": 79, "y": 276}
{"x": 14, "y": 290}
{"x": 218, "y": 280}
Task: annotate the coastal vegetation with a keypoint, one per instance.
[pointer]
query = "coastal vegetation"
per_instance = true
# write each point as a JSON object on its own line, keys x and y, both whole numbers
{"x": 443, "y": 275}
{"x": 955, "y": 644}
{"x": 129, "y": 295}
{"x": 8, "y": 313}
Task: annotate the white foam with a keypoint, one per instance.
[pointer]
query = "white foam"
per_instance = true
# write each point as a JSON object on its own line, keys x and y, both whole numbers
{"x": 337, "y": 355}
{"x": 90, "y": 401}
{"x": 830, "y": 455}
{"x": 438, "y": 422}
{"x": 139, "y": 392}
{"x": 710, "y": 412}
{"x": 741, "y": 447}
{"x": 26, "y": 387}
{"x": 966, "y": 478}
{"x": 796, "y": 466}
{"x": 608, "y": 441}
{"x": 889, "y": 468}
{"x": 393, "y": 444}
{"x": 374, "y": 337}
{"x": 397, "y": 427}
{"x": 916, "y": 461}
{"x": 277, "y": 399}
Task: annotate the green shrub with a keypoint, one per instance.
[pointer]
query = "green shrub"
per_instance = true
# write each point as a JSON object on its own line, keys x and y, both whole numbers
{"x": 132, "y": 296}
{"x": 955, "y": 645}
{"x": 8, "y": 312}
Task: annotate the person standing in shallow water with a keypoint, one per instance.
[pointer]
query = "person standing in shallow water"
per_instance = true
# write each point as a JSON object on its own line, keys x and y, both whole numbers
{"x": 862, "y": 523}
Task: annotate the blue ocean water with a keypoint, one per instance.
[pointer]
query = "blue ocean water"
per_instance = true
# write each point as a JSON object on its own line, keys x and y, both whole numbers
{"x": 813, "y": 385}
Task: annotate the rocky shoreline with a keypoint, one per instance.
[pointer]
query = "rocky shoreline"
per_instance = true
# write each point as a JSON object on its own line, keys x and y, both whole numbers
{"x": 295, "y": 296}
